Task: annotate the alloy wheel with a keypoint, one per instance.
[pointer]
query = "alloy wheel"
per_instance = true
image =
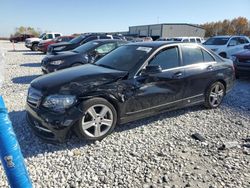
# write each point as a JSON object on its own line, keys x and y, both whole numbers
{"x": 216, "y": 95}
{"x": 97, "y": 120}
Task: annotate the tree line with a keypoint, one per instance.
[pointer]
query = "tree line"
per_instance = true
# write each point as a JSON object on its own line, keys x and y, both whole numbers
{"x": 236, "y": 26}
{"x": 26, "y": 30}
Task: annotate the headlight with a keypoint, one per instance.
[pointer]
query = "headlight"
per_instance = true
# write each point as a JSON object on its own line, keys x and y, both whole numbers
{"x": 59, "y": 48}
{"x": 58, "y": 62}
{"x": 59, "y": 103}
{"x": 233, "y": 58}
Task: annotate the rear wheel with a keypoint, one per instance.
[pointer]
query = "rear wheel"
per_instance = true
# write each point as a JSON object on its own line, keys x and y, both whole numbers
{"x": 99, "y": 119}
{"x": 34, "y": 47}
{"x": 214, "y": 95}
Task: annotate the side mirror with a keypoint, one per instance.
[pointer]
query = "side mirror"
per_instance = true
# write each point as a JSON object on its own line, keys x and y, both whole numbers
{"x": 151, "y": 69}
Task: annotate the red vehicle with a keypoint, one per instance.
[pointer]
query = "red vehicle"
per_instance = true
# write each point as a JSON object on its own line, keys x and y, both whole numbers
{"x": 43, "y": 45}
{"x": 20, "y": 38}
{"x": 242, "y": 62}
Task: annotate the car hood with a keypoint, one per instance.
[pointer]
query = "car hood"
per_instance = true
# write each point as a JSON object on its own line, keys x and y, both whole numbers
{"x": 61, "y": 55}
{"x": 33, "y": 39}
{"x": 245, "y": 54}
{"x": 212, "y": 47}
{"x": 60, "y": 44}
{"x": 78, "y": 79}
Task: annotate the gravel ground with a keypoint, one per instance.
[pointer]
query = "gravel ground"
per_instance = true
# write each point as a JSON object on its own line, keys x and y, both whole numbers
{"x": 153, "y": 152}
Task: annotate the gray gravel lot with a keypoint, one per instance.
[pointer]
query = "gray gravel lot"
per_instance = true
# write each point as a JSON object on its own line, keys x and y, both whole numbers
{"x": 153, "y": 152}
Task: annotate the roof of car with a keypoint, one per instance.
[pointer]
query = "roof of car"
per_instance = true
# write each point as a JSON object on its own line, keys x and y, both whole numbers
{"x": 228, "y": 36}
{"x": 108, "y": 40}
{"x": 155, "y": 44}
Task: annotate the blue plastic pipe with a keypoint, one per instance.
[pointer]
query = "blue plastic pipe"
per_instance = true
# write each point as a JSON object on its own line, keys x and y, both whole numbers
{"x": 10, "y": 153}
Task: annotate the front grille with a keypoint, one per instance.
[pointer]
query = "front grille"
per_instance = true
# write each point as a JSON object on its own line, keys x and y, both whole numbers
{"x": 34, "y": 97}
{"x": 244, "y": 60}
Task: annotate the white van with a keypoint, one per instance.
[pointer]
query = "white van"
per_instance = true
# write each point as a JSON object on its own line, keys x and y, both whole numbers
{"x": 188, "y": 39}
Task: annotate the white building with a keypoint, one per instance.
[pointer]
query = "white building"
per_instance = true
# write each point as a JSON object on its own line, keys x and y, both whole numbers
{"x": 167, "y": 30}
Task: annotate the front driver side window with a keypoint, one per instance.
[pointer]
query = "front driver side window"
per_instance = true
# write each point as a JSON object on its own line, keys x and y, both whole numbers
{"x": 233, "y": 42}
{"x": 167, "y": 58}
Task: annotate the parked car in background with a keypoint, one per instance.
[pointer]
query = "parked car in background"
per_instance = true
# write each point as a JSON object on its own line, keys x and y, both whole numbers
{"x": 78, "y": 41}
{"x": 242, "y": 62}
{"x": 226, "y": 46}
{"x": 187, "y": 39}
{"x": 43, "y": 45}
{"x": 164, "y": 39}
{"x": 142, "y": 39}
{"x": 32, "y": 43}
{"x": 89, "y": 52}
{"x": 20, "y": 37}
{"x": 134, "y": 81}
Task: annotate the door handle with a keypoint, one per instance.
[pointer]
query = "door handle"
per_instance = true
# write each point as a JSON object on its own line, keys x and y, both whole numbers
{"x": 177, "y": 75}
{"x": 210, "y": 67}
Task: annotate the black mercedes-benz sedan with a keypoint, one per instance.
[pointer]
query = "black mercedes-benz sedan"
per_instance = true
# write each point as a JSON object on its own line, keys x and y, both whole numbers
{"x": 132, "y": 82}
{"x": 89, "y": 52}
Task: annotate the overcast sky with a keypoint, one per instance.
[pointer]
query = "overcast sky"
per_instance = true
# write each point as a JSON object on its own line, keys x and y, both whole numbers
{"x": 81, "y": 16}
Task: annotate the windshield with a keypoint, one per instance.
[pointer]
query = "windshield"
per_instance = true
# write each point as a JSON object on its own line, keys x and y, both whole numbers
{"x": 217, "y": 41}
{"x": 77, "y": 39}
{"x": 86, "y": 47}
{"x": 124, "y": 58}
{"x": 42, "y": 35}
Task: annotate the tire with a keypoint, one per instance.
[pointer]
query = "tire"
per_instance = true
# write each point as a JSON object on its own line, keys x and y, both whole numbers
{"x": 93, "y": 125}
{"x": 214, "y": 95}
{"x": 223, "y": 54}
{"x": 34, "y": 47}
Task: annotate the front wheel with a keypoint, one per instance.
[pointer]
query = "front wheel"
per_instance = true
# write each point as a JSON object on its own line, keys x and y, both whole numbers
{"x": 34, "y": 47}
{"x": 214, "y": 95}
{"x": 99, "y": 119}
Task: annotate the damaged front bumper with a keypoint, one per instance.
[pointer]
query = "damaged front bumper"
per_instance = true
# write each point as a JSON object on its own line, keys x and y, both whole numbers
{"x": 52, "y": 127}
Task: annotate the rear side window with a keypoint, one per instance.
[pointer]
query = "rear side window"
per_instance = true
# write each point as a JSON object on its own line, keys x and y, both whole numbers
{"x": 89, "y": 39}
{"x": 198, "y": 40}
{"x": 207, "y": 57}
{"x": 65, "y": 39}
{"x": 49, "y": 36}
{"x": 191, "y": 55}
{"x": 192, "y": 40}
{"x": 167, "y": 58}
{"x": 242, "y": 40}
{"x": 185, "y": 40}
{"x": 57, "y": 35}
